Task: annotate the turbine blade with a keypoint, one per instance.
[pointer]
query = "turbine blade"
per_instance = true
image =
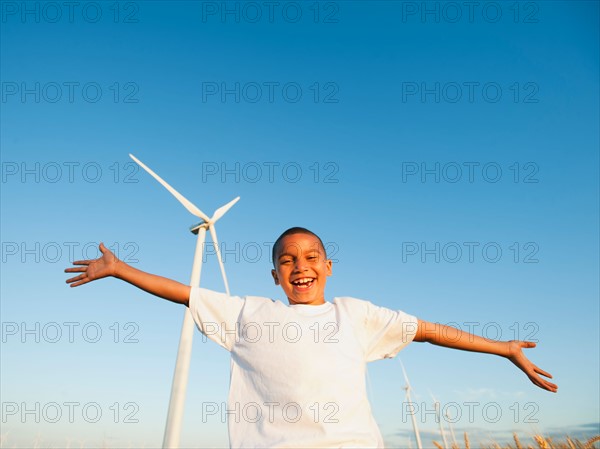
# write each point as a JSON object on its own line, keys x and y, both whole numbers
{"x": 223, "y": 209}
{"x": 185, "y": 202}
{"x": 405, "y": 376}
{"x": 213, "y": 233}
{"x": 432, "y": 396}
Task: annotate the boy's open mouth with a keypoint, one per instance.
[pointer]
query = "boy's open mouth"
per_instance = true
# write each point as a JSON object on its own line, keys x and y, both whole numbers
{"x": 303, "y": 283}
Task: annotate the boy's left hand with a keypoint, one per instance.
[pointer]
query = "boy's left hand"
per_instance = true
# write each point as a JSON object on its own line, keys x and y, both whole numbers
{"x": 515, "y": 355}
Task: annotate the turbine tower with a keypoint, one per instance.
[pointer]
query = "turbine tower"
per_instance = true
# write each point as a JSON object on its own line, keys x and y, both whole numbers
{"x": 414, "y": 420}
{"x": 182, "y": 366}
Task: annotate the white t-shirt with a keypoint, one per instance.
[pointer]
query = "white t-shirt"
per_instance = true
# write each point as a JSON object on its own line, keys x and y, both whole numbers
{"x": 298, "y": 372}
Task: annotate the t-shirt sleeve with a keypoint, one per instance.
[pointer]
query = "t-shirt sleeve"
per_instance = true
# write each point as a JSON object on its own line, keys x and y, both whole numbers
{"x": 387, "y": 331}
{"x": 216, "y": 315}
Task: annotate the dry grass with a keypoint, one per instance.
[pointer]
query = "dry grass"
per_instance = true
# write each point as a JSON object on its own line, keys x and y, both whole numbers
{"x": 540, "y": 443}
{"x": 517, "y": 442}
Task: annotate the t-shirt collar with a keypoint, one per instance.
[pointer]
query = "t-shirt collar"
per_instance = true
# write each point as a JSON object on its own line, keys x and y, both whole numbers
{"x": 307, "y": 309}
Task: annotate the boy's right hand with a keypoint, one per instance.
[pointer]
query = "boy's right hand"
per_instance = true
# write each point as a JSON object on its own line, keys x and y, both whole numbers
{"x": 109, "y": 265}
{"x": 93, "y": 269}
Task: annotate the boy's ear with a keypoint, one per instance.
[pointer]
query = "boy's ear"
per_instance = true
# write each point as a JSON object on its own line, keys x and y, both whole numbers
{"x": 275, "y": 277}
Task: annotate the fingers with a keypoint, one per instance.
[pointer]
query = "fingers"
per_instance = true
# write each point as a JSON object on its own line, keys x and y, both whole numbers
{"x": 542, "y": 383}
{"x": 549, "y": 386}
{"x": 532, "y": 371}
{"x": 82, "y": 267}
{"x": 75, "y": 269}
{"x": 77, "y": 284}
{"x": 542, "y": 372}
{"x": 103, "y": 249}
{"x": 76, "y": 278}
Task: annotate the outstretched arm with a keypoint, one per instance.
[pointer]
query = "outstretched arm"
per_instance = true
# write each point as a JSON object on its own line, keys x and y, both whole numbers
{"x": 108, "y": 265}
{"x": 450, "y": 337}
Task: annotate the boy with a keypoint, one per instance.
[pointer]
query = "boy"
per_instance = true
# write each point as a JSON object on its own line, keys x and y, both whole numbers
{"x": 298, "y": 370}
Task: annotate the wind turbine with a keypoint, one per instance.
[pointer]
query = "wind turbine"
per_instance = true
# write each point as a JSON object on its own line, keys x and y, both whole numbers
{"x": 182, "y": 366}
{"x": 414, "y": 420}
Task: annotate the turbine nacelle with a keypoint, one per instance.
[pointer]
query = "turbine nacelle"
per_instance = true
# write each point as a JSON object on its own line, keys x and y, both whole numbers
{"x": 207, "y": 223}
{"x": 194, "y": 229}
{"x": 218, "y": 214}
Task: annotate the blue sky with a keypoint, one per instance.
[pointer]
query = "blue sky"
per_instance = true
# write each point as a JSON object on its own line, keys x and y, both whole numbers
{"x": 447, "y": 156}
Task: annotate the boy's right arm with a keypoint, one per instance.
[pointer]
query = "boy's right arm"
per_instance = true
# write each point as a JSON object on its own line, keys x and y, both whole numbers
{"x": 109, "y": 265}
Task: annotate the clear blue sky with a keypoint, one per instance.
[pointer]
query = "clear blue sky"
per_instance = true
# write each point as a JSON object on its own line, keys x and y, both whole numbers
{"x": 447, "y": 154}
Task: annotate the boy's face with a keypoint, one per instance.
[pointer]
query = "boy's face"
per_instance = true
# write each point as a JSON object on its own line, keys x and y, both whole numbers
{"x": 301, "y": 269}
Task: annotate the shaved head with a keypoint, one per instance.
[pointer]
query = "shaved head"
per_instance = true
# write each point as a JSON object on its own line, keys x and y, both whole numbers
{"x": 290, "y": 231}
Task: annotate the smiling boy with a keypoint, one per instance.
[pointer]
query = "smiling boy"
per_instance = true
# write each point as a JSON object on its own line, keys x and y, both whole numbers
{"x": 301, "y": 266}
{"x": 300, "y": 367}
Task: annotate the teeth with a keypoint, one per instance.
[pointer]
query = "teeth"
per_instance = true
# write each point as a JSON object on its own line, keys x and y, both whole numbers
{"x": 303, "y": 281}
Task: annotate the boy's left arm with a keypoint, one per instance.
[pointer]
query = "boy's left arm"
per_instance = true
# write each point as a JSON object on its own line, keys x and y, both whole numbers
{"x": 450, "y": 337}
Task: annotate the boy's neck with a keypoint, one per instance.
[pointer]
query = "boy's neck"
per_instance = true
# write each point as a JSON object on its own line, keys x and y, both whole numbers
{"x": 315, "y": 303}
